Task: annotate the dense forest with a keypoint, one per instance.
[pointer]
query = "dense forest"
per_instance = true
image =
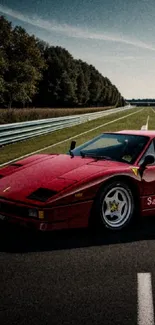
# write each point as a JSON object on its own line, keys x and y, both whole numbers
{"x": 35, "y": 74}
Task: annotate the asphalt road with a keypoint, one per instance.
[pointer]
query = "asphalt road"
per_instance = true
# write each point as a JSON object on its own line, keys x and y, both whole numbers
{"x": 73, "y": 277}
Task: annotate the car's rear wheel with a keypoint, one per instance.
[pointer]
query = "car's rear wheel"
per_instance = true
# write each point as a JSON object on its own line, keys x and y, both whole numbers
{"x": 115, "y": 206}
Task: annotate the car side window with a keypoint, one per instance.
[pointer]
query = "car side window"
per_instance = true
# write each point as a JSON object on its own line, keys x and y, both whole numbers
{"x": 149, "y": 151}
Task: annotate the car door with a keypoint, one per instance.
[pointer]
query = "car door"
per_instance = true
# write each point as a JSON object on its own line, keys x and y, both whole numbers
{"x": 148, "y": 182}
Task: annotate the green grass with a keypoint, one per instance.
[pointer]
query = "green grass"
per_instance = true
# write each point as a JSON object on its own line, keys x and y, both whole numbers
{"x": 135, "y": 121}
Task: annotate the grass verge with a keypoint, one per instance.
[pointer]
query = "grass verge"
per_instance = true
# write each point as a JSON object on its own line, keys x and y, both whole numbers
{"x": 29, "y": 114}
{"x": 135, "y": 121}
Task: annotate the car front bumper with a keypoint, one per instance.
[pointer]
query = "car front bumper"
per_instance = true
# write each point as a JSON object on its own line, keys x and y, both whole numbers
{"x": 61, "y": 217}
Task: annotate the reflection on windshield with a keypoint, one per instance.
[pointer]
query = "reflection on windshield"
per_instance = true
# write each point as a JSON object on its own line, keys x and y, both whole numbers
{"x": 93, "y": 155}
{"x": 113, "y": 146}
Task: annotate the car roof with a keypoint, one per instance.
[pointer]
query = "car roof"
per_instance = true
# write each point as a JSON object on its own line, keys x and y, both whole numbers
{"x": 148, "y": 133}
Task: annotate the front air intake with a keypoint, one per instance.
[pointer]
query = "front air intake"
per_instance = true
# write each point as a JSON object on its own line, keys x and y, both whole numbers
{"x": 42, "y": 194}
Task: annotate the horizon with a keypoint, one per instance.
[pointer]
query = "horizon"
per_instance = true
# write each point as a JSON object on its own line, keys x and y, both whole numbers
{"x": 121, "y": 35}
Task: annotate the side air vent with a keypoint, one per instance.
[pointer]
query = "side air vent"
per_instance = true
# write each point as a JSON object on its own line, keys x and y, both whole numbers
{"x": 16, "y": 165}
{"x": 42, "y": 194}
{"x": 1, "y": 176}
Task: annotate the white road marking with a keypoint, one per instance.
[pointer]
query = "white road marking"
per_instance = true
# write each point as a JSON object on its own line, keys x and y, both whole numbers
{"x": 145, "y": 299}
{"x": 73, "y": 137}
{"x": 153, "y": 110}
{"x": 145, "y": 127}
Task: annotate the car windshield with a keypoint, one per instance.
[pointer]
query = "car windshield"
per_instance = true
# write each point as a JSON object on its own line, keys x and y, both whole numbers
{"x": 113, "y": 146}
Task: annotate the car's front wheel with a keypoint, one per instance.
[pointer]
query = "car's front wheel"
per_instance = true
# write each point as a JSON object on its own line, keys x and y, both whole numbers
{"x": 115, "y": 206}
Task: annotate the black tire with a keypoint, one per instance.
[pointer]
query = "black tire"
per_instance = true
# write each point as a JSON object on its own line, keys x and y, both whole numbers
{"x": 99, "y": 218}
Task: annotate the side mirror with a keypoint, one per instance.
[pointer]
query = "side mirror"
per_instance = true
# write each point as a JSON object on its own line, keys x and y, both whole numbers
{"x": 148, "y": 160}
{"x": 72, "y": 146}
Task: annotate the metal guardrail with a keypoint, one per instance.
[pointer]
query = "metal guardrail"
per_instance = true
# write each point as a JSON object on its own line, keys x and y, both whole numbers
{"x": 14, "y": 132}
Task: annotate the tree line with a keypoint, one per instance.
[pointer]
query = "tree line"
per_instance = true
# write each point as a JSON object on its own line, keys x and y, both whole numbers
{"x": 147, "y": 100}
{"x": 35, "y": 74}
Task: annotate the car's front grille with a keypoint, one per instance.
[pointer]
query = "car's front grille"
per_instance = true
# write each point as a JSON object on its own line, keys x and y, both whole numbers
{"x": 12, "y": 209}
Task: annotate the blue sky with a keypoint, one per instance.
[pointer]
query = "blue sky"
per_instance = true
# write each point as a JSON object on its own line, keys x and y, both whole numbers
{"x": 117, "y": 37}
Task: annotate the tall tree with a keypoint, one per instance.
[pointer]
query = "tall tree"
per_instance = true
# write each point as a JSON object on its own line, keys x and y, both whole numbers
{"x": 5, "y": 39}
{"x": 82, "y": 92}
{"x": 58, "y": 79}
{"x": 24, "y": 66}
{"x": 32, "y": 71}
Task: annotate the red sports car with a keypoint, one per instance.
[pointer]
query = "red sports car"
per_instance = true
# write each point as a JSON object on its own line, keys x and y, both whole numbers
{"x": 109, "y": 181}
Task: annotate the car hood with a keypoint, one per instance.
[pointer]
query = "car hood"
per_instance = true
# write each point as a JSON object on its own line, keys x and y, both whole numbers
{"x": 39, "y": 177}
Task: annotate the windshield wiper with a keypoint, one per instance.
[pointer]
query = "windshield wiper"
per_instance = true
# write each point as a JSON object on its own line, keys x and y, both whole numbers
{"x": 83, "y": 155}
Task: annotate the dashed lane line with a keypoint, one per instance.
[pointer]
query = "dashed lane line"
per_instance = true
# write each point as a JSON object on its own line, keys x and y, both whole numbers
{"x": 145, "y": 299}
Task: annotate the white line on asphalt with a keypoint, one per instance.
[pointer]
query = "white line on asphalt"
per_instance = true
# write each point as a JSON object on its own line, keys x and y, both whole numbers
{"x": 153, "y": 110}
{"x": 145, "y": 299}
{"x": 75, "y": 136}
